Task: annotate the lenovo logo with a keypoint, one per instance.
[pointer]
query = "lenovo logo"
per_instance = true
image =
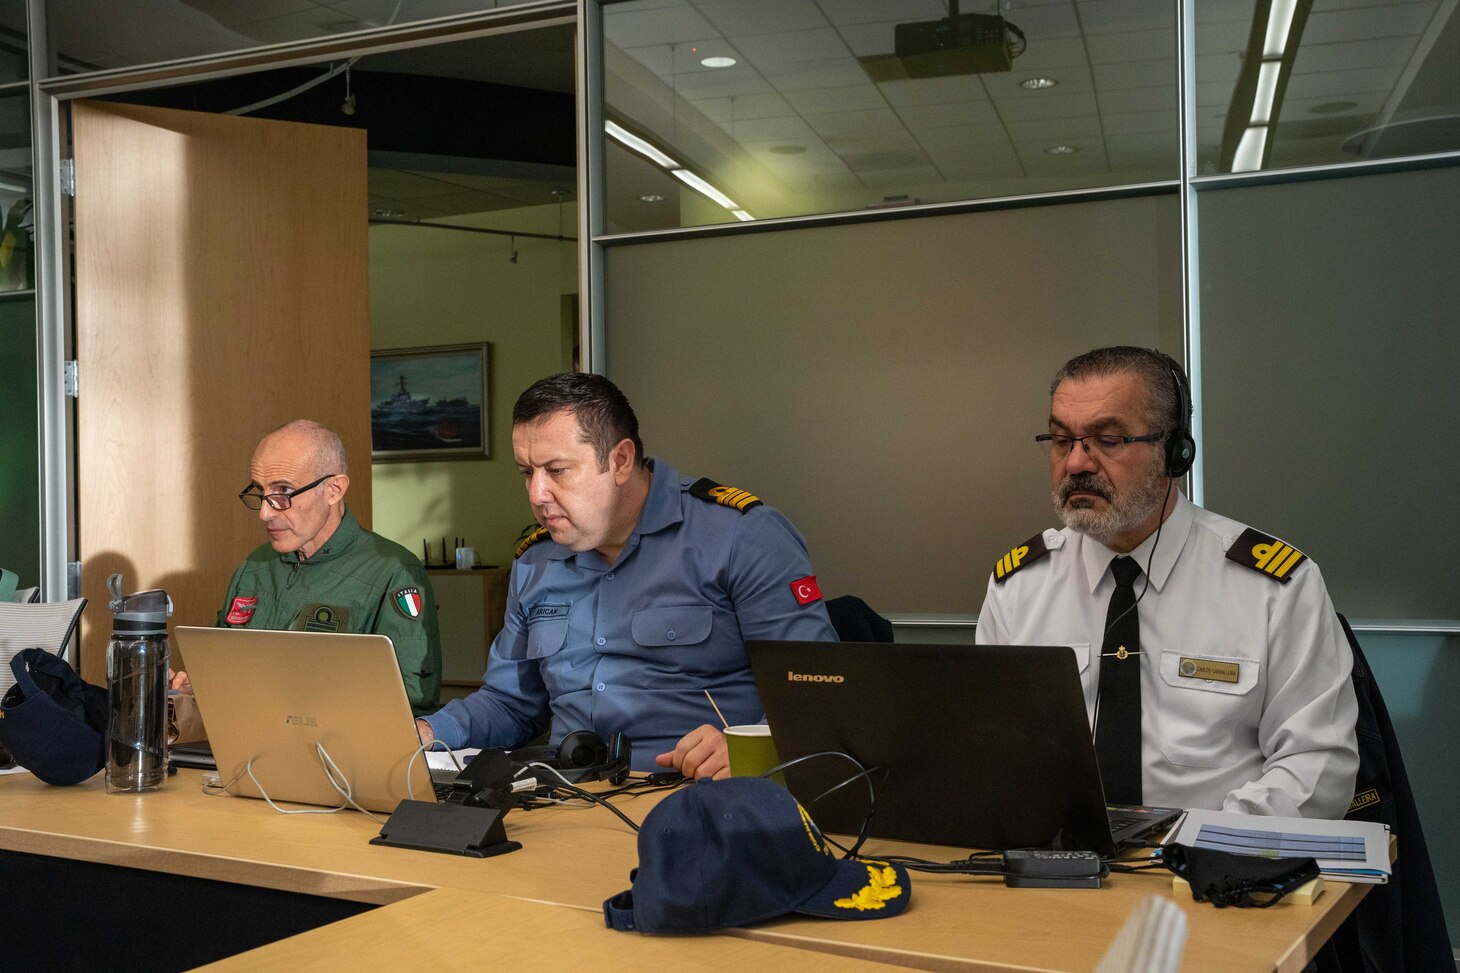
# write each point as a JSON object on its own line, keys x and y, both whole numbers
{"x": 809, "y": 677}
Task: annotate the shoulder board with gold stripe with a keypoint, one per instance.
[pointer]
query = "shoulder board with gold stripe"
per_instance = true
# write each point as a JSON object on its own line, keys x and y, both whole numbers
{"x": 1030, "y": 551}
{"x": 707, "y": 489}
{"x": 530, "y": 535}
{"x": 1272, "y": 557}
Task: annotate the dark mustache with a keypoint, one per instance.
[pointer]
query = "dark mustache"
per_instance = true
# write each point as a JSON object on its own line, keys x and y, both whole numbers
{"x": 1083, "y": 483}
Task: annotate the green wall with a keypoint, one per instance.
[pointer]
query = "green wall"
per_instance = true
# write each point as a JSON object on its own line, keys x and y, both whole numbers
{"x": 19, "y": 441}
{"x": 438, "y": 287}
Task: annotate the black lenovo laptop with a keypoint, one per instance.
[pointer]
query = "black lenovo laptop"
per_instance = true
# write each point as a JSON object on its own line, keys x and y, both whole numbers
{"x": 983, "y": 746}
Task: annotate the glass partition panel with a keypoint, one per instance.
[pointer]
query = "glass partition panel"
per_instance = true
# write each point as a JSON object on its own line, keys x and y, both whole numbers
{"x": 1285, "y": 83}
{"x": 20, "y": 509}
{"x": 719, "y": 110}
{"x": 17, "y": 222}
{"x": 96, "y": 35}
{"x": 14, "y": 65}
{"x": 1328, "y": 347}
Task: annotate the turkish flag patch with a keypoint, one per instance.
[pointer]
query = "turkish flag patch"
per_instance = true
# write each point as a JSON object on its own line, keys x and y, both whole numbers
{"x": 241, "y": 610}
{"x": 806, "y": 590}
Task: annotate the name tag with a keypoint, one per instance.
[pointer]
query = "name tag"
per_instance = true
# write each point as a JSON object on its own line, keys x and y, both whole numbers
{"x": 539, "y": 612}
{"x": 1210, "y": 669}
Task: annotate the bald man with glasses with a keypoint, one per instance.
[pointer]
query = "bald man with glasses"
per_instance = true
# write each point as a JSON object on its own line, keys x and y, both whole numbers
{"x": 320, "y": 570}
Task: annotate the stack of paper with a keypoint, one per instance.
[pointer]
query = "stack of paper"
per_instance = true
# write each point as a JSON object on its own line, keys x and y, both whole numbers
{"x": 1346, "y": 851}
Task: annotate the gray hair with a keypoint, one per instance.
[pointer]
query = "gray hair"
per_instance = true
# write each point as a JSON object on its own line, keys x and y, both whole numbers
{"x": 1154, "y": 368}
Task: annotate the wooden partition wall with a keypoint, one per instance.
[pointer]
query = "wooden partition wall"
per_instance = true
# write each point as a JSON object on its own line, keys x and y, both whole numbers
{"x": 220, "y": 291}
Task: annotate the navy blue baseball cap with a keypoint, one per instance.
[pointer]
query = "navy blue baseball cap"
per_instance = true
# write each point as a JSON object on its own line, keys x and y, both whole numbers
{"x": 724, "y": 853}
{"x": 53, "y": 723}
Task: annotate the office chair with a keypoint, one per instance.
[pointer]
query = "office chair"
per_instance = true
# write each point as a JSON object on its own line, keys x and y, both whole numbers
{"x": 1151, "y": 941}
{"x": 24, "y": 626}
{"x": 855, "y": 621}
{"x": 1398, "y": 927}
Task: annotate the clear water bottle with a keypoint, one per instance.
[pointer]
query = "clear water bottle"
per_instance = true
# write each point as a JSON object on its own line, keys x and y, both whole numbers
{"x": 136, "y": 690}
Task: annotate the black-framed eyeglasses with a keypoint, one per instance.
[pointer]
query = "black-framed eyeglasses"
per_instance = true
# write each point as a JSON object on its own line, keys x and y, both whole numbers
{"x": 1059, "y": 446}
{"x": 254, "y": 497}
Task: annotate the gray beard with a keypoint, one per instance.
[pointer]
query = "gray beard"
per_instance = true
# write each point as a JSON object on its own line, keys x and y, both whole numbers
{"x": 1122, "y": 512}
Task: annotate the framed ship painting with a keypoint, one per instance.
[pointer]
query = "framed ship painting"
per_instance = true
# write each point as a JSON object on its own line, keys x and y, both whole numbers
{"x": 430, "y": 403}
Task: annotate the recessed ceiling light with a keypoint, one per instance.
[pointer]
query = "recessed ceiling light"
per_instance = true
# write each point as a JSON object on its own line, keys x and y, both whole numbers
{"x": 1035, "y": 84}
{"x": 652, "y": 198}
{"x": 718, "y": 62}
{"x": 1062, "y": 149}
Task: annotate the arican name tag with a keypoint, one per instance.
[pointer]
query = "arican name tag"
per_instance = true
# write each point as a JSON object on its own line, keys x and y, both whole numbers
{"x": 1207, "y": 669}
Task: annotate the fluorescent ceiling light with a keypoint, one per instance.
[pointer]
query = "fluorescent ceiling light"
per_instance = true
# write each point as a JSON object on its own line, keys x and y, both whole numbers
{"x": 646, "y": 149}
{"x": 1279, "y": 22}
{"x": 741, "y": 215}
{"x": 1248, "y": 157}
{"x": 698, "y": 183}
{"x": 1267, "y": 79}
{"x": 718, "y": 62}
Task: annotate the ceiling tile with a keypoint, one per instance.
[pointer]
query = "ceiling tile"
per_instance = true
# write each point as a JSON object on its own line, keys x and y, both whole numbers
{"x": 626, "y": 25}
{"x": 1046, "y": 22}
{"x": 1393, "y": 20}
{"x": 1136, "y": 74}
{"x": 814, "y": 101}
{"x": 1055, "y": 106}
{"x": 867, "y": 11}
{"x": 1339, "y": 83}
{"x": 775, "y": 52}
{"x": 963, "y": 138}
{"x": 1394, "y": 51}
{"x": 782, "y": 129}
{"x": 1051, "y": 54}
{"x": 740, "y": 107}
{"x": 1140, "y": 45}
{"x": 934, "y": 91}
{"x": 1141, "y": 123}
{"x": 1125, "y": 16}
{"x": 739, "y": 17}
{"x": 922, "y": 117}
{"x": 853, "y": 123}
{"x": 1052, "y": 130}
{"x": 1141, "y": 99}
{"x": 818, "y": 74}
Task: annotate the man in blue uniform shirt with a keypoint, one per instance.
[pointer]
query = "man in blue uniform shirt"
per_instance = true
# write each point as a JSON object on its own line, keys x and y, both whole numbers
{"x": 634, "y": 597}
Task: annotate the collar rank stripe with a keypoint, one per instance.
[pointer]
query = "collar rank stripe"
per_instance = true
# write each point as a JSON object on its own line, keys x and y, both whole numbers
{"x": 530, "y": 535}
{"x": 1269, "y": 555}
{"x": 707, "y": 489}
{"x": 1026, "y": 553}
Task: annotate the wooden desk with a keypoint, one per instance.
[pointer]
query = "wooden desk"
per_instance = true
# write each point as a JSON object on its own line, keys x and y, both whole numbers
{"x": 577, "y": 858}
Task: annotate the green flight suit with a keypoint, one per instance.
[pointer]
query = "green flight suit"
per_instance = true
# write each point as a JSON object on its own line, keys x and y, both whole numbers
{"x": 357, "y": 582}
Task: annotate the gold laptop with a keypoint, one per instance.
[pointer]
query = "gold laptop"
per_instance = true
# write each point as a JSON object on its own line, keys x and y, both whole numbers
{"x": 275, "y": 698}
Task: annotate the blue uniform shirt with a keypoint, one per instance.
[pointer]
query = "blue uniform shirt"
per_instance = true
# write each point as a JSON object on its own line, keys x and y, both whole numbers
{"x": 630, "y": 647}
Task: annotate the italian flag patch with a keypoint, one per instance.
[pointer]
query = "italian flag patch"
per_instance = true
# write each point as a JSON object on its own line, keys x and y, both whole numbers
{"x": 408, "y": 602}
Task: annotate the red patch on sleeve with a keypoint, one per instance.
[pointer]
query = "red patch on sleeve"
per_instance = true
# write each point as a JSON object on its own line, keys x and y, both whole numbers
{"x": 241, "y": 610}
{"x": 806, "y": 590}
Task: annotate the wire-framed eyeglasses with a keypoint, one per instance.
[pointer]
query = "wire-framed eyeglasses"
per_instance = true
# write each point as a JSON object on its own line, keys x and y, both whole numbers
{"x": 1059, "y": 446}
{"x": 254, "y": 497}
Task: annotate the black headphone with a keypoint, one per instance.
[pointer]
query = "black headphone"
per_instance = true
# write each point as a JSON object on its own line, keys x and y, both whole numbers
{"x": 581, "y": 756}
{"x": 1180, "y": 444}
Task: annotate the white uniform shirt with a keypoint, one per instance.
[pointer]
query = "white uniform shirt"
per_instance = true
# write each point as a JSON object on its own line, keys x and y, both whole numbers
{"x": 1279, "y": 740}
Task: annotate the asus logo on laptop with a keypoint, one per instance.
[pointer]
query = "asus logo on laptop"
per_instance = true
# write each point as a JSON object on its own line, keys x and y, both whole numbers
{"x": 808, "y": 677}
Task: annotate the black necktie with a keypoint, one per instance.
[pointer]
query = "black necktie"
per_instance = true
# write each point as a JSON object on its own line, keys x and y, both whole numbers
{"x": 1118, "y": 727}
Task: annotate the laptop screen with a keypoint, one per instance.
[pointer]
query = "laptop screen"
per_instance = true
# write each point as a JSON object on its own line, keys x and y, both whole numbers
{"x": 981, "y": 746}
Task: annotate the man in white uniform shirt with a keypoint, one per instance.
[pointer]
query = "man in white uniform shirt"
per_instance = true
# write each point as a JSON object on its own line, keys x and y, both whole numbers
{"x": 1225, "y": 671}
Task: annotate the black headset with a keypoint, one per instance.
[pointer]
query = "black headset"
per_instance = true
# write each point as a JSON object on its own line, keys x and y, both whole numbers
{"x": 582, "y": 756}
{"x": 1180, "y": 445}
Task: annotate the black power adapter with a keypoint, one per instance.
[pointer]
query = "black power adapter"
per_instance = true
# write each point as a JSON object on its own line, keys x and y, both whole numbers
{"x": 1053, "y": 870}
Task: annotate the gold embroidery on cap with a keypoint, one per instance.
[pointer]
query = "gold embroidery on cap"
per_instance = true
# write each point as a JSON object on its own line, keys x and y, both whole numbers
{"x": 880, "y": 888}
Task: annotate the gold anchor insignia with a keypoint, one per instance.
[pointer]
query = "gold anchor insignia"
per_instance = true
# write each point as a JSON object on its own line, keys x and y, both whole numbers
{"x": 1121, "y": 653}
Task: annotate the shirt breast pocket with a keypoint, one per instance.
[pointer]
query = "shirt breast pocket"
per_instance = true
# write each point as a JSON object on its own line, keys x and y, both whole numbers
{"x": 671, "y": 626}
{"x": 546, "y": 636}
{"x": 1202, "y": 719}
